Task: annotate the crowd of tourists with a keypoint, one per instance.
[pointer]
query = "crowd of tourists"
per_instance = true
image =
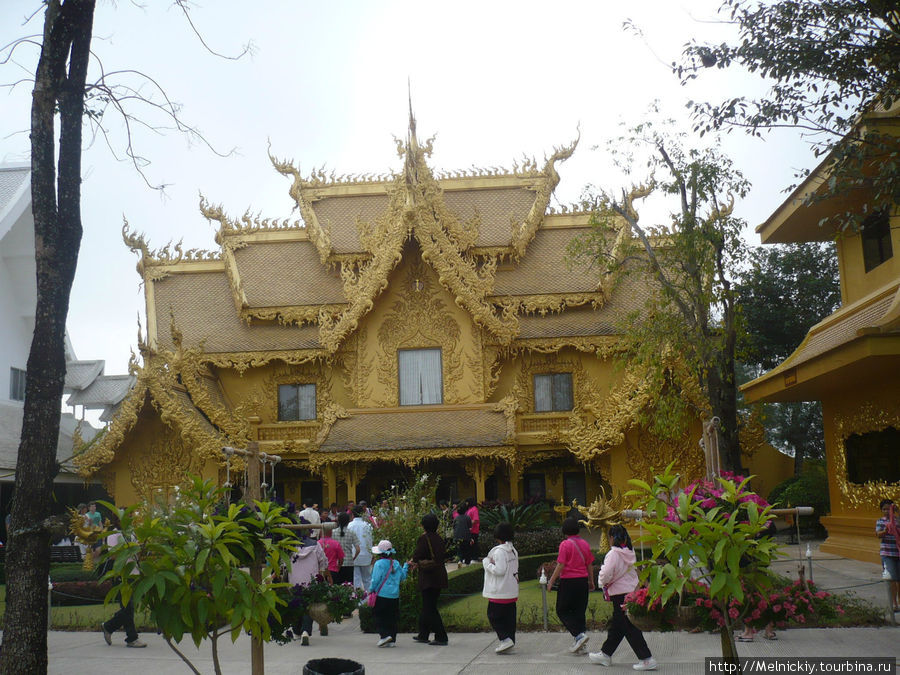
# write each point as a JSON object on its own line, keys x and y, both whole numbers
{"x": 346, "y": 553}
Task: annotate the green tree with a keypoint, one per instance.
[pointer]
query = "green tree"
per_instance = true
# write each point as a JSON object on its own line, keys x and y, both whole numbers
{"x": 188, "y": 566}
{"x": 827, "y": 62}
{"x": 707, "y": 533}
{"x": 805, "y": 278}
{"x": 684, "y": 336}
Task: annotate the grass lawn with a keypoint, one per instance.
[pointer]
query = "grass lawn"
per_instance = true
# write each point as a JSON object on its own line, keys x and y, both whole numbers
{"x": 84, "y": 617}
{"x": 470, "y": 612}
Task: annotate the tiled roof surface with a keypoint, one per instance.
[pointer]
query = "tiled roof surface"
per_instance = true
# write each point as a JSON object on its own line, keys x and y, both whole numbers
{"x": 837, "y": 333}
{"x": 338, "y": 215}
{"x": 11, "y": 179}
{"x": 103, "y": 391}
{"x": 544, "y": 268}
{"x": 628, "y": 296}
{"x": 286, "y": 273}
{"x": 497, "y": 209}
{"x": 417, "y": 429}
{"x": 204, "y": 313}
{"x": 11, "y": 430}
{"x": 80, "y": 374}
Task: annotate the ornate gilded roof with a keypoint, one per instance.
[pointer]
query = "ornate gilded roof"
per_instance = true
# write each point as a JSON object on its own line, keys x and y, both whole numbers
{"x": 199, "y": 304}
{"x": 417, "y": 428}
{"x": 299, "y": 290}
{"x": 187, "y": 400}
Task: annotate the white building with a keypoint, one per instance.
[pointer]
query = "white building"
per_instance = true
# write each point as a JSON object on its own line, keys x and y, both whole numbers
{"x": 18, "y": 299}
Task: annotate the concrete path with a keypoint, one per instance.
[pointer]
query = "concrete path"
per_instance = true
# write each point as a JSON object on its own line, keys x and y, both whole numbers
{"x": 538, "y": 653}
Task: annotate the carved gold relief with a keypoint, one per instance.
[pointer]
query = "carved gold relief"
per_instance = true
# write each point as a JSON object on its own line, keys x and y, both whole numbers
{"x": 866, "y": 418}
{"x": 167, "y": 463}
{"x": 650, "y": 453}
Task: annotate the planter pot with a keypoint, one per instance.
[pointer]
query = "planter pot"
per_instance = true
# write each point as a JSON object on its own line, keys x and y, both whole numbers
{"x": 319, "y": 613}
{"x": 646, "y": 622}
{"x": 686, "y": 618}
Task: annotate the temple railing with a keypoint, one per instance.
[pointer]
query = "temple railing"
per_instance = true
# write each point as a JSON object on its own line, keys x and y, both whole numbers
{"x": 288, "y": 431}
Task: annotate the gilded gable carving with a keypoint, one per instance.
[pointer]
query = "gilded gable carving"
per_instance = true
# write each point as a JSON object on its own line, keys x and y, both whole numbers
{"x": 167, "y": 463}
{"x": 418, "y": 319}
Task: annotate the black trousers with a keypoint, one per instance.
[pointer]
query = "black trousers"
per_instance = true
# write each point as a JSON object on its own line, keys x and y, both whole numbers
{"x": 430, "y": 620}
{"x": 571, "y": 604}
{"x": 123, "y": 619}
{"x": 502, "y": 617}
{"x": 621, "y": 627}
{"x": 344, "y": 575}
{"x": 387, "y": 616}
{"x": 464, "y": 550}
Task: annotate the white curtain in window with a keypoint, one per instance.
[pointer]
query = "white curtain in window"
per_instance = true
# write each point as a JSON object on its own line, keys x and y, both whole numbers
{"x": 543, "y": 397}
{"x": 307, "y": 401}
{"x": 421, "y": 381}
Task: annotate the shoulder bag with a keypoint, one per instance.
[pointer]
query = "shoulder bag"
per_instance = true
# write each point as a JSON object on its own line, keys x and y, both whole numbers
{"x": 373, "y": 595}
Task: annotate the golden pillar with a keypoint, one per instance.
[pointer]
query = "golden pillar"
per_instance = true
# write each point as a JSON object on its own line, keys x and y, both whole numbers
{"x": 480, "y": 470}
{"x": 330, "y": 486}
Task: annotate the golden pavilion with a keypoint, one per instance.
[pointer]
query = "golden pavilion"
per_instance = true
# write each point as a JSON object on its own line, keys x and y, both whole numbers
{"x": 416, "y": 321}
{"x": 850, "y": 360}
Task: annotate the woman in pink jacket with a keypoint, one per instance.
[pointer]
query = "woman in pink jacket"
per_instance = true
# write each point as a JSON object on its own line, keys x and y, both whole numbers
{"x": 618, "y": 578}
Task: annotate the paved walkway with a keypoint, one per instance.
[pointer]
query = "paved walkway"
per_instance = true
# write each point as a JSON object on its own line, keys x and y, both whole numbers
{"x": 538, "y": 653}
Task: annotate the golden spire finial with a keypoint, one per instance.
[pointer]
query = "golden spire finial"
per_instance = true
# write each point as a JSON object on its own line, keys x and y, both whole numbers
{"x": 412, "y": 143}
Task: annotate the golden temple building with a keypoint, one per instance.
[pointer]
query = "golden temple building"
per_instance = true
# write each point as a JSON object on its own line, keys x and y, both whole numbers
{"x": 411, "y": 322}
{"x": 850, "y": 361}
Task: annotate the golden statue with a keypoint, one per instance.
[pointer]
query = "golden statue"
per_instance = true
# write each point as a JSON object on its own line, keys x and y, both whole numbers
{"x": 563, "y": 508}
{"x": 87, "y": 534}
{"x": 603, "y": 514}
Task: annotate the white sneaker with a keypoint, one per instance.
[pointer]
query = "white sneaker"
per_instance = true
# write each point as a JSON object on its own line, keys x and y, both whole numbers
{"x": 504, "y": 646}
{"x": 304, "y": 639}
{"x": 579, "y": 643}
{"x": 600, "y": 658}
{"x": 646, "y": 664}
{"x": 384, "y": 642}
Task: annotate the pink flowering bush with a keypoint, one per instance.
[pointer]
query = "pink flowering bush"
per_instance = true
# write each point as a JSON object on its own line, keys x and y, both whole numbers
{"x": 709, "y": 534}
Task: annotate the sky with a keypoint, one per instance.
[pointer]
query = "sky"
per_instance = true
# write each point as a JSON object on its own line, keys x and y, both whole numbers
{"x": 328, "y": 83}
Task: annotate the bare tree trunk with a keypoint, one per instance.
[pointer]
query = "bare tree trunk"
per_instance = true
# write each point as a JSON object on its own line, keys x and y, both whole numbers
{"x": 56, "y": 205}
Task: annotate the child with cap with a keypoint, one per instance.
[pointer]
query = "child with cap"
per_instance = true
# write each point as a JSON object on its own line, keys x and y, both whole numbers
{"x": 386, "y": 577}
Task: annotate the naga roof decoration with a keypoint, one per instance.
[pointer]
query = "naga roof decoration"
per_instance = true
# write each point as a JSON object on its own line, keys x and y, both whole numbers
{"x": 187, "y": 399}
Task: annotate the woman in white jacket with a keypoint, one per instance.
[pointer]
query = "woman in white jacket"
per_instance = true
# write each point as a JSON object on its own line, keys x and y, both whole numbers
{"x": 501, "y": 586}
{"x": 618, "y": 578}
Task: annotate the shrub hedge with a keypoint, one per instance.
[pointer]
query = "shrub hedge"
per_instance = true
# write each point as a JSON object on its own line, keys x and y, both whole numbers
{"x": 533, "y": 542}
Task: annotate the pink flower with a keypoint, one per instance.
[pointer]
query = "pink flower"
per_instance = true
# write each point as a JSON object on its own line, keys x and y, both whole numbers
{"x": 763, "y": 604}
{"x": 776, "y": 608}
{"x": 733, "y": 613}
{"x": 756, "y": 614}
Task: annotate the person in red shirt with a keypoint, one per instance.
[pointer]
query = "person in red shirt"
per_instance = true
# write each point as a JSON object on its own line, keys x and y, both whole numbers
{"x": 475, "y": 529}
{"x": 575, "y": 571}
{"x": 333, "y": 551}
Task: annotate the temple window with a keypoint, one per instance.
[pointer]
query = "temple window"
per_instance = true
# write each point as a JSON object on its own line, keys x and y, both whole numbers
{"x": 873, "y": 456}
{"x": 876, "y": 240}
{"x": 296, "y": 402}
{"x": 16, "y": 384}
{"x": 553, "y": 392}
{"x": 533, "y": 486}
{"x": 421, "y": 376}
{"x": 574, "y": 487}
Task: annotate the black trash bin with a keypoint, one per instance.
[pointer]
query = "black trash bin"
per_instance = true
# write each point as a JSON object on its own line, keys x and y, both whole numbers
{"x": 333, "y": 667}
